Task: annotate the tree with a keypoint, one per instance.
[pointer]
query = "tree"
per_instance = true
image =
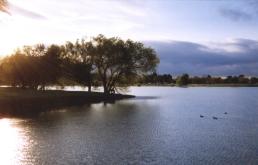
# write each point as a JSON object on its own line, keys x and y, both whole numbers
{"x": 20, "y": 70}
{"x": 254, "y": 80}
{"x": 183, "y": 80}
{"x": 78, "y": 63}
{"x": 111, "y": 62}
{"x": 152, "y": 78}
{"x": 119, "y": 62}
{"x": 242, "y": 79}
{"x": 50, "y": 65}
{"x": 165, "y": 79}
{"x": 155, "y": 78}
{"x": 32, "y": 67}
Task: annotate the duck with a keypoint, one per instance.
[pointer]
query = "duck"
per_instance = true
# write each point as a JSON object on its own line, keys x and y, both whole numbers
{"x": 201, "y": 116}
{"x": 225, "y": 113}
{"x": 215, "y": 118}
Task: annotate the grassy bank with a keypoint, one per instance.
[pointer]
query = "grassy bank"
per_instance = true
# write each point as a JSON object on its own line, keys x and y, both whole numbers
{"x": 26, "y": 102}
{"x": 24, "y": 94}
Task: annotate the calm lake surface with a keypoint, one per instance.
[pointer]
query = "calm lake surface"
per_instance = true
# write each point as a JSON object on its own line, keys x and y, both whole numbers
{"x": 161, "y": 126}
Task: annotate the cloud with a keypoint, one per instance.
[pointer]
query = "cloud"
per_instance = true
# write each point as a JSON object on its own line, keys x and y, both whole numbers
{"x": 178, "y": 57}
{"x": 235, "y": 15}
{"x": 24, "y": 12}
{"x": 3, "y": 6}
{"x": 242, "y": 11}
{"x": 254, "y": 5}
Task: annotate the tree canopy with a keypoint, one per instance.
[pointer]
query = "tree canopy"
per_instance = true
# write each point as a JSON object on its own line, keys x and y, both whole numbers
{"x": 32, "y": 67}
{"x": 119, "y": 62}
{"x": 110, "y": 62}
{"x": 183, "y": 80}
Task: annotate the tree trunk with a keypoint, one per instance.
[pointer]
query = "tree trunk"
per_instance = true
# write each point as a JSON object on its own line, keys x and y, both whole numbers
{"x": 89, "y": 84}
{"x": 89, "y": 87}
{"x": 105, "y": 89}
{"x": 105, "y": 84}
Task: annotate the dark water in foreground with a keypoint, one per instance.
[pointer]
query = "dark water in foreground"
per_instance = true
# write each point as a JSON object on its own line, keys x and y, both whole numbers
{"x": 163, "y": 129}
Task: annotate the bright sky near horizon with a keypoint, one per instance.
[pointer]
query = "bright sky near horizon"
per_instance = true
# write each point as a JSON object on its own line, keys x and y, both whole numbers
{"x": 218, "y": 26}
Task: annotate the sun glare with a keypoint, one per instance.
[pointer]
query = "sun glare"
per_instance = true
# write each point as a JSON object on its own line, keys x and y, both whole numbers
{"x": 11, "y": 143}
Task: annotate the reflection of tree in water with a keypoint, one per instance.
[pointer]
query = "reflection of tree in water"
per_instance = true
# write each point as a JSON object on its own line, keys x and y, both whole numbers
{"x": 34, "y": 107}
{"x": 28, "y": 103}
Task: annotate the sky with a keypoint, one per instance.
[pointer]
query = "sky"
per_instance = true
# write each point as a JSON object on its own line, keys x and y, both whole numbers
{"x": 198, "y": 37}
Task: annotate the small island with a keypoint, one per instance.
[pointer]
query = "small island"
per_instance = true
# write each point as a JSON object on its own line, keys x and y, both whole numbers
{"x": 110, "y": 63}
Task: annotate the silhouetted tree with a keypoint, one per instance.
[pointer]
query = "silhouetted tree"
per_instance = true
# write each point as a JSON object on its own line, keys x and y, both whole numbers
{"x": 32, "y": 67}
{"x": 20, "y": 70}
{"x": 242, "y": 79}
{"x": 78, "y": 64}
{"x": 155, "y": 78}
{"x": 50, "y": 62}
{"x": 118, "y": 62}
{"x": 183, "y": 80}
{"x": 254, "y": 80}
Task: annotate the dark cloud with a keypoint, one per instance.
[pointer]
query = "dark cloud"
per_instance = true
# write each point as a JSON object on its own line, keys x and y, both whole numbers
{"x": 237, "y": 57}
{"x": 235, "y": 15}
{"x": 243, "y": 10}
{"x": 254, "y": 5}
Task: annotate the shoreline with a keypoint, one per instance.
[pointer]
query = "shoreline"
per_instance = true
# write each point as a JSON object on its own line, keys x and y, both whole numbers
{"x": 20, "y": 93}
{"x": 17, "y": 102}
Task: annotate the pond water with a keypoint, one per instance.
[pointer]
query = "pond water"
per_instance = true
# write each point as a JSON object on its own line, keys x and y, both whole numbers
{"x": 161, "y": 126}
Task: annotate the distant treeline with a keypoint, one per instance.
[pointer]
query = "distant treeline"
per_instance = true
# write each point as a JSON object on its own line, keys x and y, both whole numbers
{"x": 185, "y": 79}
{"x": 109, "y": 62}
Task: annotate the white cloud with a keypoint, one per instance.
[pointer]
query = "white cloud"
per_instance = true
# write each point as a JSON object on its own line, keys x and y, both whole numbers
{"x": 232, "y": 46}
{"x": 56, "y": 21}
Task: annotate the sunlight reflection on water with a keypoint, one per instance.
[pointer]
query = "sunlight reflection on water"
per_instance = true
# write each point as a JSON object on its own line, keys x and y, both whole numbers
{"x": 162, "y": 125}
{"x": 12, "y": 142}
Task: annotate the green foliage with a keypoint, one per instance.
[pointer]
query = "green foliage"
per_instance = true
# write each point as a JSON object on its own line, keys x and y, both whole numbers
{"x": 159, "y": 79}
{"x": 154, "y": 78}
{"x": 183, "y": 80}
{"x": 254, "y": 80}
